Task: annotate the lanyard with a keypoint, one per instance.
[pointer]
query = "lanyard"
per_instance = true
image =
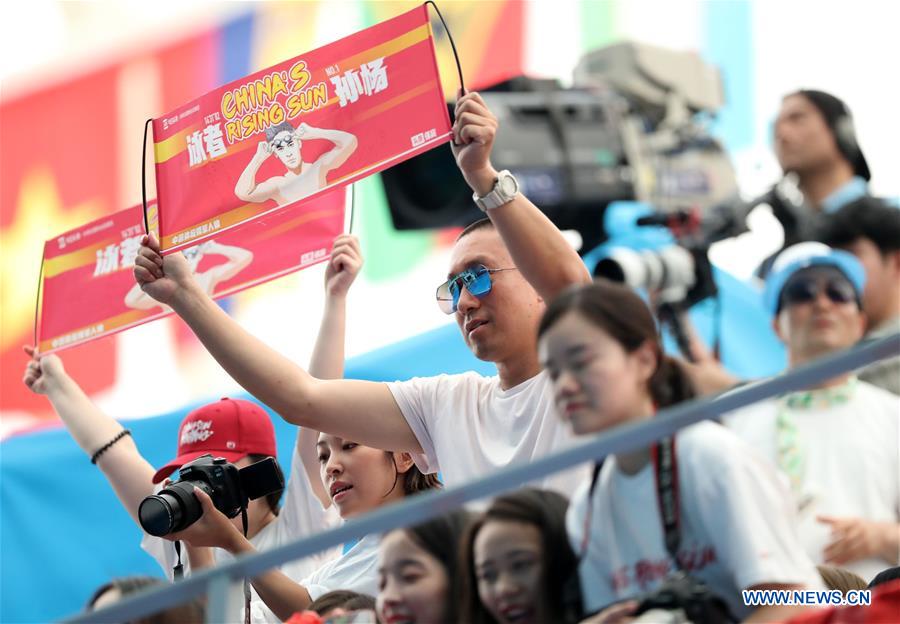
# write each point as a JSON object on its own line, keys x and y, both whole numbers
{"x": 665, "y": 469}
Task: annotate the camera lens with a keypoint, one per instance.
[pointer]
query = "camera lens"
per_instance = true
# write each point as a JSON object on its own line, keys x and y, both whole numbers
{"x": 156, "y": 515}
{"x": 670, "y": 267}
{"x": 173, "y": 509}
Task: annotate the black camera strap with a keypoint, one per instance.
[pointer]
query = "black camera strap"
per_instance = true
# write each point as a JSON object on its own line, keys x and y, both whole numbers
{"x": 666, "y": 471}
{"x": 665, "y": 465}
{"x": 178, "y": 570}
{"x": 589, "y": 514}
{"x": 245, "y": 522}
{"x": 665, "y": 468}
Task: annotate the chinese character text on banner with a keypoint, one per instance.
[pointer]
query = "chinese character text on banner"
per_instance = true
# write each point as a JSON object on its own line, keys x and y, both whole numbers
{"x": 284, "y": 134}
{"x": 88, "y": 288}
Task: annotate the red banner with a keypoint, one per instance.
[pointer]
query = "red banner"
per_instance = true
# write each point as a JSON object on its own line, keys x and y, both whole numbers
{"x": 88, "y": 289}
{"x": 290, "y": 132}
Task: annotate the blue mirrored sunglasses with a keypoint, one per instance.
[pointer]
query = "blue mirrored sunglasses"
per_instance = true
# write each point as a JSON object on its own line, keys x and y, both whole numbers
{"x": 476, "y": 279}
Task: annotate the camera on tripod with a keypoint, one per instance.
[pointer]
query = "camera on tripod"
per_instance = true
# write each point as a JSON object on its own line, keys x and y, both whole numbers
{"x": 174, "y": 508}
{"x": 666, "y": 253}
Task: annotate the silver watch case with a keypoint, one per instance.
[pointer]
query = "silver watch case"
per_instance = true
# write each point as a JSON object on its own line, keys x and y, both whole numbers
{"x": 505, "y": 189}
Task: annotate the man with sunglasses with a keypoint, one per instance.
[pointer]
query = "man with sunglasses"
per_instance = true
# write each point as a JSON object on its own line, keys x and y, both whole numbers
{"x": 837, "y": 443}
{"x": 301, "y": 178}
{"x": 501, "y": 272}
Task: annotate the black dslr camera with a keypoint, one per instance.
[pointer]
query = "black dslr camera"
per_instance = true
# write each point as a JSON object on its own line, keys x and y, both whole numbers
{"x": 680, "y": 591}
{"x": 175, "y": 507}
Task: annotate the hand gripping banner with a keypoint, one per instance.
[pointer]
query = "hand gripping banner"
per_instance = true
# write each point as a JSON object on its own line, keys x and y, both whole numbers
{"x": 284, "y": 135}
{"x": 88, "y": 288}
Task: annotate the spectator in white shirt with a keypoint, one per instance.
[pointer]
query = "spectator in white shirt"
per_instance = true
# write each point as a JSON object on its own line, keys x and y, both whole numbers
{"x": 734, "y": 523}
{"x": 836, "y": 444}
{"x": 501, "y": 273}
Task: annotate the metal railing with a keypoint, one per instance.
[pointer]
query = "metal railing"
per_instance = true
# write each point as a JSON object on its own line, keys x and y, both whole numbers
{"x": 223, "y": 583}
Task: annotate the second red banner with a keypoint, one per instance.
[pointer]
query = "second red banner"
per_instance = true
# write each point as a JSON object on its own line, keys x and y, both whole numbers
{"x": 88, "y": 287}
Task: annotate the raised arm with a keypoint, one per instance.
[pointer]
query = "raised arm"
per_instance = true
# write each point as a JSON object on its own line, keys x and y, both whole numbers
{"x": 344, "y": 145}
{"x": 358, "y": 410}
{"x": 327, "y": 360}
{"x": 130, "y": 475}
{"x": 246, "y": 188}
{"x": 537, "y": 246}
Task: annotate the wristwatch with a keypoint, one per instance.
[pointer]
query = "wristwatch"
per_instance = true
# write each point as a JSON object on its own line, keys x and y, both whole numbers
{"x": 505, "y": 189}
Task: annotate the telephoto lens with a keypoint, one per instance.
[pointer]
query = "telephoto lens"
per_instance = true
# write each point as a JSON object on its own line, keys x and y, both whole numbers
{"x": 175, "y": 508}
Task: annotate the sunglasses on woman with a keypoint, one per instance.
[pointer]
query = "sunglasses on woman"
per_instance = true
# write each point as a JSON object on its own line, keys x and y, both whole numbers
{"x": 476, "y": 279}
{"x": 807, "y": 290}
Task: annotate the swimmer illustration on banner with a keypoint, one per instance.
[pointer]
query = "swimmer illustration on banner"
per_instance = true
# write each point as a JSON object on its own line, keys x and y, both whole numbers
{"x": 284, "y": 135}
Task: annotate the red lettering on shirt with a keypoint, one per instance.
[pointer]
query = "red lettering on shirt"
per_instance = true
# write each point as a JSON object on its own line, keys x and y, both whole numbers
{"x": 619, "y": 579}
{"x": 696, "y": 558}
{"x": 646, "y": 572}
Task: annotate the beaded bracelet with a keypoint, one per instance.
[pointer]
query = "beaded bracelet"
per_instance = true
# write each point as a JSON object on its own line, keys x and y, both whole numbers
{"x": 108, "y": 445}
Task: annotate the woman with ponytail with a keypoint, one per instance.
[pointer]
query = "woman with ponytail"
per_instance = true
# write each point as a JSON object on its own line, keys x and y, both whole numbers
{"x": 733, "y": 526}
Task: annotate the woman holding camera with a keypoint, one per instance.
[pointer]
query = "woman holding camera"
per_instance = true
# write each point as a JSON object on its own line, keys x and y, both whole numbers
{"x": 725, "y": 519}
{"x": 358, "y": 479}
{"x": 345, "y": 476}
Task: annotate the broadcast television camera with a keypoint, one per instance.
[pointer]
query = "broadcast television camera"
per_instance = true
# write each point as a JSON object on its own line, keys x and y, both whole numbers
{"x": 175, "y": 507}
{"x": 632, "y": 127}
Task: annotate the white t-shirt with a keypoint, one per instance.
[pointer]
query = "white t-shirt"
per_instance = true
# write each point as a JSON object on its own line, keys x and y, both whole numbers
{"x": 738, "y": 527}
{"x": 356, "y": 570}
{"x": 301, "y": 515}
{"x": 468, "y": 426}
{"x": 849, "y": 445}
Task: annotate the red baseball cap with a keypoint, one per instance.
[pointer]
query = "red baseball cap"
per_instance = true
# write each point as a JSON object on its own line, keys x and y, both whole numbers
{"x": 229, "y": 428}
